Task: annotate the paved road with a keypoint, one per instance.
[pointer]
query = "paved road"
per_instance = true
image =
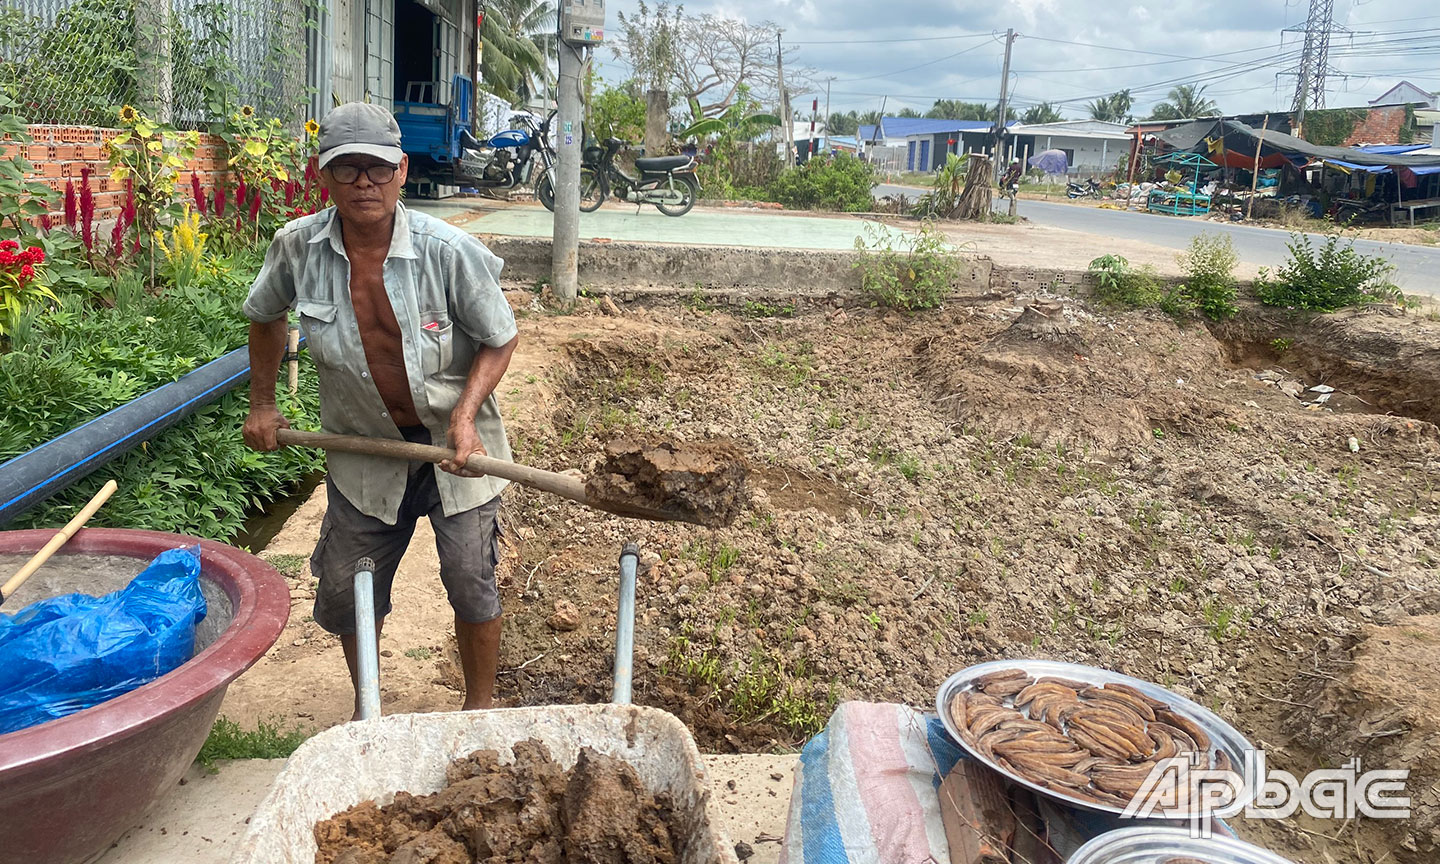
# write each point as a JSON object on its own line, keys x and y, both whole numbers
{"x": 1417, "y": 268}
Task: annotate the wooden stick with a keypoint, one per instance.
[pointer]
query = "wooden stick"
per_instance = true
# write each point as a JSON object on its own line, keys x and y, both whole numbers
{"x": 1254, "y": 174}
{"x": 60, "y": 539}
{"x": 563, "y": 485}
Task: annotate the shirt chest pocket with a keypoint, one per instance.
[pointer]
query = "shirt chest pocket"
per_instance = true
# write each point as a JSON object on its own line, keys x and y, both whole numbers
{"x": 317, "y": 322}
{"x": 437, "y": 342}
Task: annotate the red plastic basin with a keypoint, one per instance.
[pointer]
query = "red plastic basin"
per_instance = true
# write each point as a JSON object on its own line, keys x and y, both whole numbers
{"x": 70, "y": 787}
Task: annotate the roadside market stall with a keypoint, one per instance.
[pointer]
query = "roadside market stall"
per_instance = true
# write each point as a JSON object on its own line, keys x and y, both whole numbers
{"x": 1185, "y": 200}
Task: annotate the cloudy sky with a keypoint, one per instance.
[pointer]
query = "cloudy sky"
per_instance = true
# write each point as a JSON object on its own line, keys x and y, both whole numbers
{"x": 916, "y": 51}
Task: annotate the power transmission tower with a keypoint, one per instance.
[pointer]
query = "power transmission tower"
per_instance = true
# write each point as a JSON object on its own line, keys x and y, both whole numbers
{"x": 1314, "y": 59}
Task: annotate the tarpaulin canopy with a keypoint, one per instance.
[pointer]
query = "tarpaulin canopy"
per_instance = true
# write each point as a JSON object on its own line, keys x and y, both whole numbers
{"x": 1238, "y": 138}
{"x": 1050, "y": 161}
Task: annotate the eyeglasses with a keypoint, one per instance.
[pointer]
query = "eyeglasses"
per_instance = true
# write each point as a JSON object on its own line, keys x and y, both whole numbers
{"x": 347, "y": 174}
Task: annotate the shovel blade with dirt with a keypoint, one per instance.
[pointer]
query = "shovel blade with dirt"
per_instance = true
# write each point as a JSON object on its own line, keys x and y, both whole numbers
{"x": 660, "y": 481}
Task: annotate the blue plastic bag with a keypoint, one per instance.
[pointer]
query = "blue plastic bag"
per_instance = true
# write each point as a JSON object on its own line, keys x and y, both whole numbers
{"x": 67, "y": 653}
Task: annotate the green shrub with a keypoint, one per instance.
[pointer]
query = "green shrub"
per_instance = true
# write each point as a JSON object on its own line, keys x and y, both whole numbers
{"x": 918, "y": 275}
{"x": 268, "y": 740}
{"x": 1327, "y": 278}
{"x": 840, "y": 182}
{"x": 73, "y": 364}
{"x": 1118, "y": 284}
{"x": 1210, "y": 275}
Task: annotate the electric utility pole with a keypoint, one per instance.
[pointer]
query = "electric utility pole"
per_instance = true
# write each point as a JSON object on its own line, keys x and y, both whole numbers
{"x": 1004, "y": 104}
{"x": 789, "y": 158}
{"x": 827, "y": 113}
{"x": 565, "y": 248}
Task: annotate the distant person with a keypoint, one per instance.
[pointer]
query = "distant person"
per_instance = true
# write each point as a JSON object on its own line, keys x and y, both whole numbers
{"x": 404, "y": 317}
{"x": 1010, "y": 183}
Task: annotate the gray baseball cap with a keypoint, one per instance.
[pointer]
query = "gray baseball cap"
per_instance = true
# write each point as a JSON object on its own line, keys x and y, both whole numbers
{"x": 360, "y": 127}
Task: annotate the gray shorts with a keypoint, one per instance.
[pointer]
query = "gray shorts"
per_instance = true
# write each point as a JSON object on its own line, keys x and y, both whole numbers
{"x": 468, "y": 543}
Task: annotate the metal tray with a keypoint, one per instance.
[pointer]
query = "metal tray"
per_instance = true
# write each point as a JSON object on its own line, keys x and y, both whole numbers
{"x": 1223, "y": 736}
{"x": 1148, "y": 845}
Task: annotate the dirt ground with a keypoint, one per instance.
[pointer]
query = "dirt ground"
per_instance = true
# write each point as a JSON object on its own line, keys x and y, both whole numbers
{"x": 936, "y": 490}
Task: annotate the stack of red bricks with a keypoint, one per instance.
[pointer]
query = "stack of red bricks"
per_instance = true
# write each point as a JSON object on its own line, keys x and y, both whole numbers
{"x": 61, "y": 153}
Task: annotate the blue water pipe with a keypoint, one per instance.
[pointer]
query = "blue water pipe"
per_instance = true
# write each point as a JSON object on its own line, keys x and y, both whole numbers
{"x": 36, "y": 475}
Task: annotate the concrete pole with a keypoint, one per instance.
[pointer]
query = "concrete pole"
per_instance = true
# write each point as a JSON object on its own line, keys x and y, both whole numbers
{"x": 565, "y": 247}
{"x": 789, "y": 159}
{"x": 1004, "y": 102}
{"x": 827, "y": 115}
{"x": 152, "y": 43}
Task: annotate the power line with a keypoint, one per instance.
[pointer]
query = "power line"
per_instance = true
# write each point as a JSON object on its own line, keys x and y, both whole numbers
{"x": 913, "y": 68}
{"x": 889, "y": 41}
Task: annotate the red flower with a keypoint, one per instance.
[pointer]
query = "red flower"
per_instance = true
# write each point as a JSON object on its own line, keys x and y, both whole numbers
{"x": 198, "y": 193}
{"x": 241, "y": 193}
{"x": 324, "y": 196}
{"x": 255, "y": 206}
{"x": 7, "y": 258}
{"x": 70, "y": 204}
{"x": 35, "y": 255}
{"x": 9, "y": 244}
{"x": 219, "y": 201}
{"x": 27, "y": 272}
{"x": 46, "y": 223}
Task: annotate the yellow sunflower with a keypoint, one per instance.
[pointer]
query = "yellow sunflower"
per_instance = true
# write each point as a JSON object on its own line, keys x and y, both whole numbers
{"x": 247, "y": 111}
{"x": 128, "y": 114}
{"x": 311, "y": 127}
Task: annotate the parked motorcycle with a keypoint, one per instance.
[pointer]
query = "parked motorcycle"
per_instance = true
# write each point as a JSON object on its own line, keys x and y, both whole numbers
{"x": 668, "y": 182}
{"x": 508, "y": 159}
{"x": 1089, "y": 189}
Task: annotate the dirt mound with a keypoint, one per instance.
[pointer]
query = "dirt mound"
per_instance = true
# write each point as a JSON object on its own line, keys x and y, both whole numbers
{"x": 1056, "y": 373}
{"x": 700, "y": 482}
{"x": 1384, "y": 708}
{"x": 531, "y": 811}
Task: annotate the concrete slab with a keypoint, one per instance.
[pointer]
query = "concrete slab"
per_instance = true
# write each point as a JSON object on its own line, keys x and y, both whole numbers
{"x": 716, "y": 227}
{"x": 202, "y": 818}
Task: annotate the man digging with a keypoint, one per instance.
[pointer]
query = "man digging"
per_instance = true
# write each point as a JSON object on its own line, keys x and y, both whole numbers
{"x": 406, "y": 323}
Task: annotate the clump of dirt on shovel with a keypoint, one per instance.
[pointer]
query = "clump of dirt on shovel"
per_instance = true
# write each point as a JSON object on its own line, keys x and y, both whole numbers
{"x": 702, "y": 482}
{"x": 532, "y": 811}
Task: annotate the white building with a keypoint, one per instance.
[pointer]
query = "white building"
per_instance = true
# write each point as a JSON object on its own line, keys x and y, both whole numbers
{"x": 1090, "y": 146}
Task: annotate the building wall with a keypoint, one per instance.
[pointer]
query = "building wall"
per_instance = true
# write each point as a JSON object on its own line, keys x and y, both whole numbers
{"x": 60, "y": 154}
{"x": 1380, "y": 126}
{"x": 1087, "y": 154}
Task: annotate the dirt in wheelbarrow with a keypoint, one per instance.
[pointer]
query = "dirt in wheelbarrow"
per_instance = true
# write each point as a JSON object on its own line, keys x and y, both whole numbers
{"x": 530, "y": 811}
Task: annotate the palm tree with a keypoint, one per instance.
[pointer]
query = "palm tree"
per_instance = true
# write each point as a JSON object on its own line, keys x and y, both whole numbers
{"x": 517, "y": 37}
{"x": 1042, "y": 113}
{"x": 1186, "y": 101}
{"x": 1114, "y": 108}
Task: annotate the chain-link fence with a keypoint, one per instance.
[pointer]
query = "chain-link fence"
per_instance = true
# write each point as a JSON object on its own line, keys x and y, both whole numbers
{"x": 189, "y": 61}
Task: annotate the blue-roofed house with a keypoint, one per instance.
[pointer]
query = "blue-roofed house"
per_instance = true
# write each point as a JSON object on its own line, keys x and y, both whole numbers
{"x": 922, "y": 143}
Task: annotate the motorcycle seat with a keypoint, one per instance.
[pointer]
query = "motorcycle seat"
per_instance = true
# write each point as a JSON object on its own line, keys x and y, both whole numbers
{"x": 470, "y": 141}
{"x": 662, "y": 163}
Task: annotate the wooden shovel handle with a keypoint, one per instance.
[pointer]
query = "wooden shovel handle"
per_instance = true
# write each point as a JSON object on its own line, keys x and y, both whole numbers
{"x": 563, "y": 485}
{"x": 60, "y": 539}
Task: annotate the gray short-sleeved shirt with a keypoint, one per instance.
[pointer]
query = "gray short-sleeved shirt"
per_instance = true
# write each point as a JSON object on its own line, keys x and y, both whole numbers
{"x": 444, "y": 287}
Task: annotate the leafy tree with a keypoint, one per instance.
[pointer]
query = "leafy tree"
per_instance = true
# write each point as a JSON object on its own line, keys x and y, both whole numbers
{"x": 1042, "y": 113}
{"x": 511, "y": 61}
{"x": 1185, "y": 102}
{"x": 617, "y": 112}
{"x": 1114, "y": 108}
{"x": 908, "y": 113}
{"x": 847, "y": 123}
{"x": 952, "y": 109}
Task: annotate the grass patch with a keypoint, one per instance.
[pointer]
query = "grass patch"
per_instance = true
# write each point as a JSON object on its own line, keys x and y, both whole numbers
{"x": 288, "y": 565}
{"x": 268, "y": 740}
{"x": 419, "y": 653}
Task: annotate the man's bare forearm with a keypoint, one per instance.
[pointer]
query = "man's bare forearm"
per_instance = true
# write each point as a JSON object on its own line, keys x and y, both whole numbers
{"x": 267, "y": 345}
{"x": 486, "y": 371}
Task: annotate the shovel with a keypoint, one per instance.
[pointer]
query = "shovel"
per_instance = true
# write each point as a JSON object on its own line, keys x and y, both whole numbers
{"x": 564, "y": 485}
